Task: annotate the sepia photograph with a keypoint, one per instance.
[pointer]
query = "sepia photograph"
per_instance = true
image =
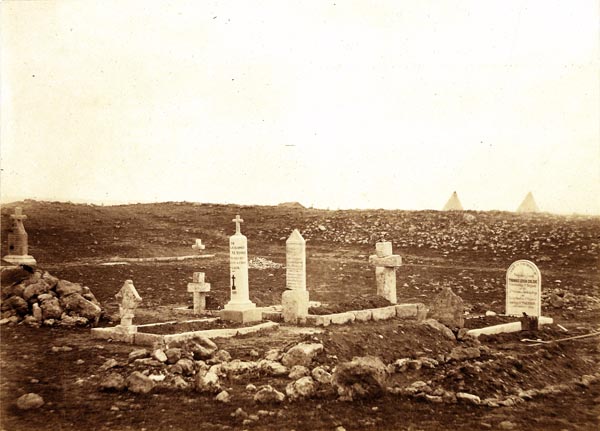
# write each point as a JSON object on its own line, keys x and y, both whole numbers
{"x": 299, "y": 215}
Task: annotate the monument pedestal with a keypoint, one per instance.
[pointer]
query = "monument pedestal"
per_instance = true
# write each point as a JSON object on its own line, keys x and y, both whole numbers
{"x": 295, "y": 305}
{"x": 242, "y": 316}
{"x": 20, "y": 260}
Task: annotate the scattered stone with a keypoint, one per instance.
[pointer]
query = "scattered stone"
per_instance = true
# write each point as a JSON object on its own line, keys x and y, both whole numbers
{"x": 179, "y": 383}
{"x": 30, "y": 401}
{"x": 321, "y": 375}
{"x": 207, "y": 383}
{"x": 304, "y": 387}
{"x": 159, "y": 355}
{"x": 51, "y": 309}
{"x": 250, "y": 387}
{"x": 75, "y": 303}
{"x": 267, "y": 394}
{"x": 187, "y": 366}
{"x": 221, "y": 356}
{"x": 490, "y": 313}
{"x": 16, "y": 303}
{"x": 506, "y": 425}
{"x": 274, "y": 355}
{"x": 447, "y": 332}
{"x": 362, "y": 377}
{"x": 273, "y": 368}
{"x": 65, "y": 288}
{"x": 157, "y": 377}
{"x": 36, "y": 312}
{"x": 113, "y": 382}
{"x": 56, "y": 349}
{"x": 173, "y": 354}
{"x": 139, "y": 383}
{"x": 461, "y": 353}
{"x": 110, "y": 363}
{"x": 301, "y": 354}
{"x": 298, "y": 371}
{"x": 35, "y": 289}
{"x": 474, "y": 399}
{"x": 138, "y": 354}
{"x": 223, "y": 397}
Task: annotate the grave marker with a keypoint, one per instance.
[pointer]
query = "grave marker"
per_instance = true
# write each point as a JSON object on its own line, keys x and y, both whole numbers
{"x": 18, "y": 241}
{"x": 130, "y": 300}
{"x": 198, "y": 245}
{"x": 385, "y": 270}
{"x": 294, "y": 301}
{"x": 199, "y": 288}
{"x": 523, "y": 289}
{"x": 239, "y": 308}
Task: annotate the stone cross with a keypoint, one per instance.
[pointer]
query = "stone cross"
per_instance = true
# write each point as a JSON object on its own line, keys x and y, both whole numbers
{"x": 18, "y": 215}
{"x": 198, "y": 245}
{"x": 130, "y": 299}
{"x": 385, "y": 270}
{"x": 199, "y": 289}
{"x": 237, "y": 220}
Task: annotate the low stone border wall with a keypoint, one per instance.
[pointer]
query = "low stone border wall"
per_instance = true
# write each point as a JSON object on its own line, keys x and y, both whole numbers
{"x": 159, "y": 259}
{"x": 148, "y": 339}
{"x": 416, "y": 311}
{"x": 506, "y": 327}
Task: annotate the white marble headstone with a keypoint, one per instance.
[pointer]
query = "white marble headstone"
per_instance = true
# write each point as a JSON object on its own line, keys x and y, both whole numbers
{"x": 523, "y": 289}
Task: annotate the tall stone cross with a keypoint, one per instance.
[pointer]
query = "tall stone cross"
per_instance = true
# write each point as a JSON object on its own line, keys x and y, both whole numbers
{"x": 385, "y": 264}
{"x": 199, "y": 289}
{"x": 237, "y": 220}
{"x": 130, "y": 300}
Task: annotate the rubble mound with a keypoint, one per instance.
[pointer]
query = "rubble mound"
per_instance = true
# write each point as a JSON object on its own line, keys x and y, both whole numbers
{"x": 37, "y": 297}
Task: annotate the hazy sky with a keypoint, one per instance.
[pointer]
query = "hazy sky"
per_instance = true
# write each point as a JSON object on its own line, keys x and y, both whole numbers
{"x": 340, "y": 104}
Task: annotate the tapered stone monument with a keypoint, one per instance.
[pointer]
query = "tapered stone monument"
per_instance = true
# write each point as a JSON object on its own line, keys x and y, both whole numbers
{"x": 239, "y": 308}
{"x": 385, "y": 264}
{"x": 294, "y": 301}
{"x": 18, "y": 247}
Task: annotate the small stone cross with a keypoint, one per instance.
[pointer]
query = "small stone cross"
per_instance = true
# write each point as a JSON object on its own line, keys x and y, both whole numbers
{"x": 130, "y": 299}
{"x": 199, "y": 289}
{"x": 233, "y": 282}
{"x": 18, "y": 215}
{"x": 237, "y": 220}
{"x": 198, "y": 245}
{"x": 385, "y": 264}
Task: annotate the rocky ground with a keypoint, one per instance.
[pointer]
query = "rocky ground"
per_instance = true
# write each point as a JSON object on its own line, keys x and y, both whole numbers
{"x": 396, "y": 374}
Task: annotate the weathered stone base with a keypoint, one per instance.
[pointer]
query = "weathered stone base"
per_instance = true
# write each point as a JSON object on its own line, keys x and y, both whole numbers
{"x": 148, "y": 339}
{"x": 242, "y": 316}
{"x": 404, "y": 311}
{"x": 294, "y": 305}
{"x": 506, "y": 327}
{"x": 20, "y": 259}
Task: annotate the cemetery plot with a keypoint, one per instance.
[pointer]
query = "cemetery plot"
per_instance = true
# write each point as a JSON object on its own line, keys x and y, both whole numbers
{"x": 191, "y": 326}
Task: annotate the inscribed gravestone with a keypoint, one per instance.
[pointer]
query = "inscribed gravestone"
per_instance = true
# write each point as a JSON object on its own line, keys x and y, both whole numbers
{"x": 295, "y": 249}
{"x": 523, "y": 289}
{"x": 238, "y": 270}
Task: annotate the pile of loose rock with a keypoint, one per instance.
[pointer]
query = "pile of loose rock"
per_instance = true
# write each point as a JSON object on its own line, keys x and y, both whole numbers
{"x": 40, "y": 298}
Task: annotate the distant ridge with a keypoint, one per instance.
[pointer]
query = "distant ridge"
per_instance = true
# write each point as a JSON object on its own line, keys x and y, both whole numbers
{"x": 453, "y": 203}
{"x": 291, "y": 205}
{"x": 528, "y": 205}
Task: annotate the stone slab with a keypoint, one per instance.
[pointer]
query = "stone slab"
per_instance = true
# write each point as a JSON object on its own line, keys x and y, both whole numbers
{"x": 242, "y": 316}
{"x": 384, "y": 313}
{"x": 256, "y": 328}
{"x": 362, "y": 315}
{"x": 506, "y": 327}
{"x": 145, "y": 339}
{"x": 112, "y": 334}
{"x": 341, "y": 318}
{"x": 294, "y": 305}
{"x": 407, "y": 310}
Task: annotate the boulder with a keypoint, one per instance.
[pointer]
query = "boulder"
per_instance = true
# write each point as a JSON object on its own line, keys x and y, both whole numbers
{"x": 186, "y": 365}
{"x": 33, "y": 290}
{"x": 321, "y": 375}
{"x": 36, "y": 312}
{"x": 50, "y": 279}
{"x": 46, "y": 296}
{"x": 447, "y": 332}
{"x": 461, "y": 353}
{"x": 78, "y": 305}
{"x": 108, "y": 364}
{"x": 223, "y": 397}
{"x": 159, "y": 355}
{"x": 448, "y": 309}
{"x": 14, "y": 290}
{"x": 238, "y": 367}
{"x": 173, "y": 355}
{"x": 13, "y": 276}
{"x": 138, "y": 354}
{"x": 17, "y": 304}
{"x": 272, "y": 368}
{"x": 207, "y": 383}
{"x": 51, "y": 309}
{"x": 200, "y": 346}
{"x": 30, "y": 401}
{"x": 362, "y": 377}
{"x": 301, "y": 354}
{"x": 474, "y": 399}
{"x": 267, "y": 394}
{"x": 304, "y": 387}
{"x": 274, "y": 355}
{"x": 298, "y": 371}
{"x": 139, "y": 383}
{"x": 112, "y": 382}
{"x": 65, "y": 288}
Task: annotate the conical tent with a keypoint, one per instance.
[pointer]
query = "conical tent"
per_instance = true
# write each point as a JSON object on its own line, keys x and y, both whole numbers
{"x": 453, "y": 203}
{"x": 528, "y": 205}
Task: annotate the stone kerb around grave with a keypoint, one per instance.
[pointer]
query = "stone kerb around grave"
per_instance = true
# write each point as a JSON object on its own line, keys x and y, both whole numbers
{"x": 523, "y": 289}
